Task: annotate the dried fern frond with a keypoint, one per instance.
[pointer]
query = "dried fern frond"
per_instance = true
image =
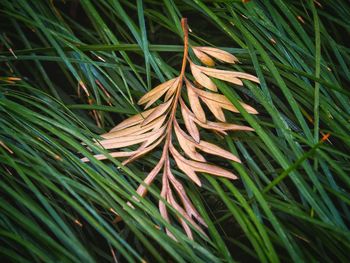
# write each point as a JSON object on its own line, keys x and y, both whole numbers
{"x": 159, "y": 125}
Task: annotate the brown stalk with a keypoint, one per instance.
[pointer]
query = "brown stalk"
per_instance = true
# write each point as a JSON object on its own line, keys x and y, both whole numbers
{"x": 149, "y": 130}
{"x": 178, "y": 90}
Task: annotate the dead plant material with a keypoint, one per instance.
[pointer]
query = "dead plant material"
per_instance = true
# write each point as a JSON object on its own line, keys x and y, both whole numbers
{"x": 159, "y": 126}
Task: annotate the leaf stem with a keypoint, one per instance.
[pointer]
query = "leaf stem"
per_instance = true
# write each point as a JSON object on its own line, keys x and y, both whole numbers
{"x": 178, "y": 90}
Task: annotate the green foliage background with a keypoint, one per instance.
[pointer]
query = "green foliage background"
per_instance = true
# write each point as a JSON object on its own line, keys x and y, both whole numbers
{"x": 291, "y": 203}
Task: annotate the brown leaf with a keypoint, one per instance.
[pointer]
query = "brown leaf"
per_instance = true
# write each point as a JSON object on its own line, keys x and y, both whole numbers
{"x": 188, "y": 118}
{"x": 171, "y": 91}
{"x": 219, "y": 54}
{"x": 194, "y": 102}
{"x": 157, "y": 92}
{"x": 189, "y": 147}
{"x": 142, "y": 190}
{"x": 184, "y": 224}
{"x": 190, "y": 209}
{"x": 218, "y": 98}
{"x": 157, "y": 126}
{"x": 181, "y": 211}
{"x": 222, "y": 126}
{"x": 187, "y": 144}
{"x": 217, "y": 102}
{"x": 113, "y": 154}
{"x": 202, "y": 78}
{"x": 181, "y": 163}
{"x": 216, "y": 150}
{"x": 215, "y": 108}
{"x": 210, "y": 169}
{"x": 133, "y": 120}
{"x": 205, "y": 59}
{"x": 143, "y": 149}
{"x": 162, "y": 207}
{"x": 178, "y": 208}
{"x": 226, "y": 75}
{"x": 162, "y": 108}
{"x": 136, "y": 129}
{"x": 190, "y": 167}
{"x": 131, "y": 140}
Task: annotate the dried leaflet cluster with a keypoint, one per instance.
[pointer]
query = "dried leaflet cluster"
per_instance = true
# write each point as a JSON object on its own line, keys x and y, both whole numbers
{"x": 159, "y": 125}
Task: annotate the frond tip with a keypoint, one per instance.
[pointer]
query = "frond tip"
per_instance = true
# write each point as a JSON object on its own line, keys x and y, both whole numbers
{"x": 157, "y": 126}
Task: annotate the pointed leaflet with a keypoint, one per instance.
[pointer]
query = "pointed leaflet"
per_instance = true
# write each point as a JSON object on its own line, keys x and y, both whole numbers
{"x": 143, "y": 149}
{"x": 204, "y": 58}
{"x": 178, "y": 208}
{"x": 136, "y": 129}
{"x": 218, "y": 54}
{"x": 171, "y": 91}
{"x": 248, "y": 108}
{"x": 215, "y": 108}
{"x": 194, "y": 102}
{"x": 133, "y": 120}
{"x": 222, "y": 126}
{"x": 226, "y": 75}
{"x": 181, "y": 211}
{"x": 156, "y": 113}
{"x": 190, "y": 209}
{"x": 210, "y": 169}
{"x": 132, "y": 140}
{"x": 160, "y": 89}
{"x": 157, "y": 92}
{"x": 202, "y": 78}
{"x": 172, "y": 88}
{"x": 190, "y": 167}
{"x": 113, "y": 154}
{"x": 187, "y": 144}
{"x": 142, "y": 190}
{"x": 180, "y": 161}
{"x": 162, "y": 207}
{"x": 217, "y": 102}
{"x": 216, "y": 150}
{"x": 188, "y": 118}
